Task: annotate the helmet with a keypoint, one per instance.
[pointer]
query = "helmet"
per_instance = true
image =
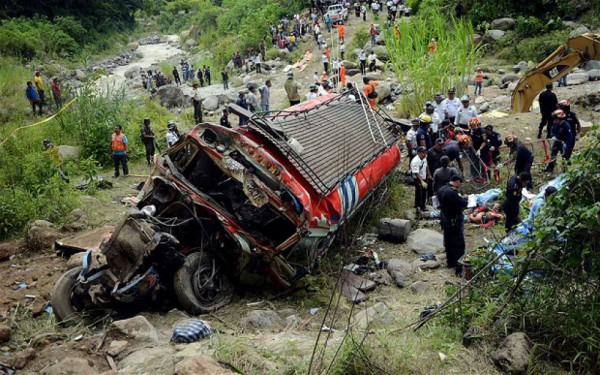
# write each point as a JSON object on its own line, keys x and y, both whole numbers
{"x": 463, "y": 139}
{"x": 559, "y": 114}
{"x": 565, "y": 105}
{"x": 510, "y": 139}
{"x": 426, "y": 119}
{"x": 465, "y": 98}
{"x": 171, "y": 124}
{"x": 414, "y": 121}
{"x": 474, "y": 122}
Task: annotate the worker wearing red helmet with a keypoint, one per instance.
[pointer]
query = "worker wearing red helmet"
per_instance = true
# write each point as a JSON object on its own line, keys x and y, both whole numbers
{"x": 562, "y": 139}
{"x": 520, "y": 154}
{"x": 572, "y": 119}
{"x": 474, "y": 152}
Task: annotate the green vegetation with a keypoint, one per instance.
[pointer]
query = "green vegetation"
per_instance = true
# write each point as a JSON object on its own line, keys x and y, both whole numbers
{"x": 552, "y": 292}
{"x": 449, "y": 66}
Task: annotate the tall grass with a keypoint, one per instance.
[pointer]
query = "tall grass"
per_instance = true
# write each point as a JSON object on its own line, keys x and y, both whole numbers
{"x": 448, "y": 67}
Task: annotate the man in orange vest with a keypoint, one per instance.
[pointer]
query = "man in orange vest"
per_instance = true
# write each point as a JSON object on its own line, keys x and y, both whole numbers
{"x": 369, "y": 91}
{"x": 118, "y": 148}
{"x": 432, "y": 47}
{"x": 343, "y": 75}
{"x": 341, "y": 32}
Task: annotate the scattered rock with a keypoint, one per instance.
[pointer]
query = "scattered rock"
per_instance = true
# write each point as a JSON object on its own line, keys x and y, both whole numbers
{"x": 237, "y": 82}
{"x": 381, "y": 52}
{"x": 501, "y": 71}
{"x": 503, "y": 24}
{"x": 510, "y": 78}
{"x": 79, "y": 75}
{"x": 137, "y": 329}
{"x": 377, "y": 315}
{"x": 594, "y": 74}
{"x": 513, "y": 354}
{"x": 485, "y": 107}
{"x": 211, "y": 103}
{"x": 577, "y": 78}
{"x": 41, "y": 235}
{"x": 383, "y": 89}
{"x": 491, "y": 36}
{"x": 349, "y": 64}
{"x": 352, "y": 72}
{"x": 426, "y": 265}
{"x": 76, "y": 221}
{"x": 201, "y": 365}
{"x": 292, "y": 321}
{"x": 410, "y": 215}
{"x": 578, "y": 31}
{"x": 5, "y": 333}
{"x": 170, "y": 96}
{"x": 133, "y": 46}
{"x": 381, "y": 277}
{"x": 419, "y": 287}
{"x": 591, "y": 65}
{"x": 21, "y": 359}
{"x": 75, "y": 260}
{"x": 8, "y": 249}
{"x": 68, "y": 152}
{"x": 261, "y": 319}
{"x": 423, "y": 241}
{"x": 132, "y": 72}
{"x": 70, "y": 365}
{"x": 116, "y": 347}
{"x": 401, "y": 271}
{"x": 149, "y": 360}
{"x": 477, "y": 39}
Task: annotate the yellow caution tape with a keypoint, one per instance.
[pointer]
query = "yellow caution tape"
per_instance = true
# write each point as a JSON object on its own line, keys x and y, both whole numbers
{"x": 39, "y": 122}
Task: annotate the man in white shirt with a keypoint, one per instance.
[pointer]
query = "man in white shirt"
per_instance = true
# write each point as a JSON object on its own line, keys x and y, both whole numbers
{"x": 372, "y": 59}
{"x": 419, "y": 170}
{"x": 465, "y": 112}
{"x": 450, "y": 106}
{"x": 411, "y": 139}
{"x": 437, "y": 105}
{"x": 313, "y": 92}
{"x": 435, "y": 119}
{"x": 363, "y": 62}
{"x": 336, "y": 71}
{"x": 257, "y": 63}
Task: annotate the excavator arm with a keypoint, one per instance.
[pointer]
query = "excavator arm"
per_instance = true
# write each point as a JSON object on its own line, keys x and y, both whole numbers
{"x": 573, "y": 53}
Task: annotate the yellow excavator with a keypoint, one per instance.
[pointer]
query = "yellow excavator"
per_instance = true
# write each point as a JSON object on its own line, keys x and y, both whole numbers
{"x": 573, "y": 53}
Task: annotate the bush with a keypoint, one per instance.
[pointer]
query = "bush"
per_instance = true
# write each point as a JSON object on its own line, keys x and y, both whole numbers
{"x": 361, "y": 37}
{"x": 538, "y": 48}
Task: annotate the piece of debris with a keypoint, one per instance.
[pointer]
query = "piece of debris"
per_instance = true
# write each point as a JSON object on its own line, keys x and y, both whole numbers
{"x": 442, "y": 356}
{"x": 191, "y": 331}
{"x": 99, "y": 181}
{"x": 313, "y": 311}
{"x": 367, "y": 240}
{"x": 427, "y": 310}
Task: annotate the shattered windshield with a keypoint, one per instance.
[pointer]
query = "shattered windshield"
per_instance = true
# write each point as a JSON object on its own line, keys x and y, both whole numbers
{"x": 183, "y": 155}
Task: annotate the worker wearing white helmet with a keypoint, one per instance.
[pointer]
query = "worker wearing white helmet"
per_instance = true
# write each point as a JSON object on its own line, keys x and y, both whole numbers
{"x": 465, "y": 112}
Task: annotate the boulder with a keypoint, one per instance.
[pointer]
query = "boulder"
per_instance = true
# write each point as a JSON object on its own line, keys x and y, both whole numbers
{"x": 479, "y": 100}
{"x": 75, "y": 260}
{"x": 170, "y": 96}
{"x": 578, "y": 31}
{"x": 485, "y": 107}
{"x": 137, "y": 329}
{"x": 511, "y": 86}
{"x": 189, "y": 44}
{"x": 521, "y": 68}
{"x": 379, "y": 40}
{"x": 379, "y": 65}
{"x": 349, "y": 64}
{"x": 492, "y": 35}
{"x": 423, "y": 241}
{"x": 594, "y": 74}
{"x": 383, "y": 91}
{"x": 512, "y": 356}
{"x": 571, "y": 24}
{"x": 382, "y": 53}
{"x": 510, "y": 78}
{"x": 201, "y": 365}
{"x": 132, "y": 72}
{"x": 211, "y": 103}
{"x": 21, "y": 359}
{"x": 352, "y": 72}
{"x": 133, "y": 46}
{"x": 503, "y": 24}
{"x": 263, "y": 319}
{"x": 237, "y": 82}
{"x": 149, "y": 360}
{"x": 426, "y": 265}
{"x": 68, "y": 152}
{"x": 477, "y": 39}
{"x": 8, "y": 249}
{"x": 41, "y": 236}
{"x": 377, "y": 315}
{"x": 116, "y": 347}
{"x": 592, "y": 65}
{"x": 501, "y": 71}
{"x": 70, "y": 365}
{"x": 577, "y": 78}
{"x": 79, "y": 75}
{"x": 419, "y": 287}
{"x": 401, "y": 271}
{"x": 381, "y": 277}
{"x": 5, "y": 333}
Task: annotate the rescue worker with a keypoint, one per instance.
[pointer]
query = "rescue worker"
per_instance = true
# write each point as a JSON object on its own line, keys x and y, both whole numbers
{"x": 241, "y": 101}
{"x": 434, "y": 156}
{"x": 514, "y": 194}
{"x": 224, "y": 120}
{"x": 452, "y": 205}
{"x": 548, "y": 102}
{"x": 465, "y": 113}
{"x": 476, "y": 133}
{"x": 489, "y": 150}
{"x": 148, "y": 137}
{"x": 423, "y": 137}
{"x": 369, "y": 91}
{"x": 521, "y": 155}
{"x": 572, "y": 119}
{"x": 436, "y": 120}
{"x": 420, "y": 171}
{"x": 450, "y": 106}
{"x": 411, "y": 139}
{"x": 442, "y": 175}
{"x": 172, "y": 133}
{"x": 446, "y": 131}
{"x": 313, "y": 92}
{"x": 562, "y": 138}
{"x": 118, "y": 149}
{"x": 291, "y": 89}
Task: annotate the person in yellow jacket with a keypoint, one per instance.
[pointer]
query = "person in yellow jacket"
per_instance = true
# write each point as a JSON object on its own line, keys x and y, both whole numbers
{"x": 39, "y": 86}
{"x": 119, "y": 150}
